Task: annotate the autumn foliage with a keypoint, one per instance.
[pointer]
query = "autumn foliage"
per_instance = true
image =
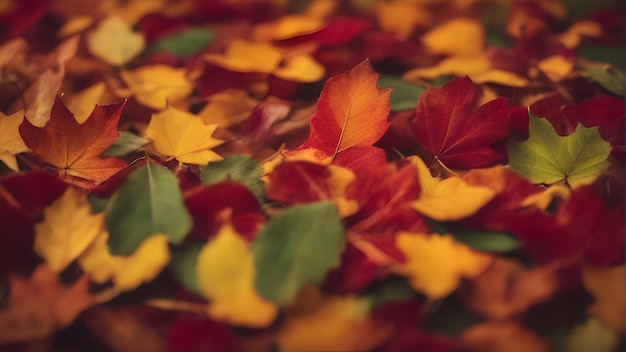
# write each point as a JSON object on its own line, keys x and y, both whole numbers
{"x": 312, "y": 175}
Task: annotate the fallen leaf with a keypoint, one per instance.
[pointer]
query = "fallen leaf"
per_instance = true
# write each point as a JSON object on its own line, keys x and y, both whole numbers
{"x": 38, "y": 307}
{"x": 574, "y": 34}
{"x": 449, "y": 199}
{"x": 401, "y": 17}
{"x": 235, "y": 168}
{"x": 461, "y": 37}
{"x": 184, "y": 43}
{"x": 11, "y": 143}
{"x": 351, "y": 111}
{"x": 157, "y": 85}
{"x": 149, "y": 202}
{"x": 300, "y": 68}
{"x": 545, "y": 157}
{"x": 68, "y": 228}
{"x": 126, "y": 272}
{"x": 247, "y": 56}
{"x": 556, "y": 67}
{"x": 606, "y": 286}
{"x": 183, "y": 136}
{"x": 114, "y": 41}
{"x": 280, "y": 265}
{"x": 435, "y": 264}
{"x": 498, "y": 336}
{"x": 72, "y": 148}
{"x": 82, "y": 104}
{"x": 228, "y": 108}
{"x": 331, "y": 323}
{"x": 225, "y": 271}
{"x": 458, "y": 136}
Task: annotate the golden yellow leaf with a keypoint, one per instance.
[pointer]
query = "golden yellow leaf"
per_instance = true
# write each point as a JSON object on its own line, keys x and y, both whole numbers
{"x": 228, "y": 108}
{"x": 114, "y": 42}
{"x": 464, "y": 37}
{"x": 542, "y": 200}
{"x": 289, "y": 26}
{"x": 340, "y": 178}
{"x": 435, "y": 264}
{"x": 501, "y": 77}
{"x": 126, "y": 272}
{"x": 157, "y": 85}
{"x": 332, "y": 323}
{"x": 300, "y": 68}
{"x": 449, "y": 199}
{"x": 184, "y": 136}
{"x": 225, "y": 272}
{"x": 556, "y": 67}
{"x": 68, "y": 228}
{"x": 457, "y": 66}
{"x": 606, "y": 285}
{"x": 572, "y": 36}
{"x": 245, "y": 56}
{"x": 401, "y": 17}
{"x": 11, "y": 142}
{"x": 82, "y": 104}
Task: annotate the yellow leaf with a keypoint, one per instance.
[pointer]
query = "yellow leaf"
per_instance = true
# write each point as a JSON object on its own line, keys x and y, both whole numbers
{"x": 82, "y": 104}
{"x": 245, "y": 56}
{"x": 228, "y": 108}
{"x": 606, "y": 285}
{"x": 457, "y": 66}
{"x": 340, "y": 178}
{"x": 300, "y": 68}
{"x": 68, "y": 228}
{"x": 157, "y": 85}
{"x": 184, "y": 136}
{"x": 542, "y": 200}
{"x": 333, "y": 323}
{"x": 572, "y": 36}
{"x": 114, "y": 42}
{"x": 501, "y": 77}
{"x": 225, "y": 272}
{"x": 435, "y": 264}
{"x": 126, "y": 272}
{"x": 289, "y": 26}
{"x": 449, "y": 199}
{"x": 401, "y": 17}
{"x": 11, "y": 142}
{"x": 556, "y": 67}
{"x": 464, "y": 37}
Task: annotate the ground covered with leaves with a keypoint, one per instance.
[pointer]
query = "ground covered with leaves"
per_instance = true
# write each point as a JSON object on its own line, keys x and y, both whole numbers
{"x": 312, "y": 175}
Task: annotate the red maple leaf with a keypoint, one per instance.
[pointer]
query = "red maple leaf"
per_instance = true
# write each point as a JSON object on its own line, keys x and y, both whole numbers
{"x": 458, "y": 136}
{"x": 73, "y": 149}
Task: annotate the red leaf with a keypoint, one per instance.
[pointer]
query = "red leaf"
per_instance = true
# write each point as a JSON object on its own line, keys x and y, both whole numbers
{"x": 298, "y": 182}
{"x": 354, "y": 274}
{"x": 74, "y": 149}
{"x": 446, "y": 126}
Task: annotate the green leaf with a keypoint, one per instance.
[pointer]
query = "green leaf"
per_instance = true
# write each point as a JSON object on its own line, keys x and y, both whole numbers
{"x": 545, "y": 157}
{"x": 98, "y": 204}
{"x": 183, "y": 267}
{"x": 612, "y": 82}
{"x": 592, "y": 336}
{"x": 125, "y": 144}
{"x": 392, "y": 290}
{"x": 183, "y": 44}
{"x": 490, "y": 241}
{"x": 237, "y": 168}
{"x": 297, "y": 247}
{"x": 149, "y": 202}
{"x": 404, "y": 95}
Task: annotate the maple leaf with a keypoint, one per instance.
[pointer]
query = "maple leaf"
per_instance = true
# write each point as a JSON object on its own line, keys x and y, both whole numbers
{"x": 449, "y": 199}
{"x": 446, "y": 126}
{"x": 126, "y": 272}
{"x": 39, "y": 306}
{"x": 184, "y": 136}
{"x": 11, "y": 142}
{"x": 351, "y": 111}
{"x": 68, "y": 229}
{"x": 114, "y": 41}
{"x": 72, "y": 148}
{"x": 157, "y": 85}
{"x": 436, "y": 263}
{"x": 545, "y": 157}
{"x": 225, "y": 272}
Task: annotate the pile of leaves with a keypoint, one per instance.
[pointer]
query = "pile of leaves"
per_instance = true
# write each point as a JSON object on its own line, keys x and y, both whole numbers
{"x": 273, "y": 175}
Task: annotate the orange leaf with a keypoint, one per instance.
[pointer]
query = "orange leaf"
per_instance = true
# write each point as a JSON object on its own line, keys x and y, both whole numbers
{"x": 502, "y": 336}
{"x": 351, "y": 111}
{"x": 11, "y": 142}
{"x": 72, "y": 148}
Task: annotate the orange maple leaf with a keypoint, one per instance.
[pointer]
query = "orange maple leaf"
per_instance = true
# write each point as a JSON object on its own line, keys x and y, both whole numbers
{"x": 73, "y": 149}
{"x": 351, "y": 111}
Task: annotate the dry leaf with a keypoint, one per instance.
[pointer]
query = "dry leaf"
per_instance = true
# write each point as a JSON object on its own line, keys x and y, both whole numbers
{"x": 228, "y": 108}
{"x": 157, "y": 85}
{"x": 245, "y": 56}
{"x": 114, "y": 41}
{"x": 11, "y": 143}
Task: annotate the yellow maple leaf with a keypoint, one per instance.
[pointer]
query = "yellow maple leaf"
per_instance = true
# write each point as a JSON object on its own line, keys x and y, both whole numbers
{"x": 435, "y": 264}
{"x": 157, "y": 85}
{"x": 183, "y": 136}
{"x": 114, "y": 42}
{"x": 247, "y": 56}
{"x": 126, "y": 272}
{"x": 449, "y": 199}
{"x": 68, "y": 228}
{"x": 225, "y": 272}
{"x": 330, "y": 323}
{"x": 11, "y": 142}
{"x": 606, "y": 285}
{"x": 82, "y": 104}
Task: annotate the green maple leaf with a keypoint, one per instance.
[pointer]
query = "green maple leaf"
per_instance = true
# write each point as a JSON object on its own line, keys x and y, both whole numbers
{"x": 545, "y": 157}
